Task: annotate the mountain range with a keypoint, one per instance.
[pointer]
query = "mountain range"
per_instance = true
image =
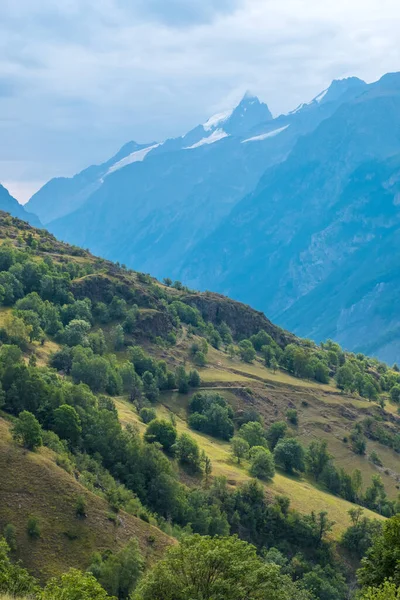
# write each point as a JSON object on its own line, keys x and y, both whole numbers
{"x": 296, "y": 215}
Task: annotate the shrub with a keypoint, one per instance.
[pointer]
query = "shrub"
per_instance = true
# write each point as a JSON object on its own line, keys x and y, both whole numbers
{"x": 289, "y": 454}
{"x": 80, "y": 506}
{"x": 161, "y": 431}
{"x": 246, "y": 351}
{"x": 211, "y": 414}
{"x": 276, "y": 432}
{"x": 262, "y": 463}
{"x": 10, "y": 535}
{"x": 375, "y": 459}
{"x": 254, "y": 434}
{"x": 291, "y": 415}
{"x": 395, "y": 393}
{"x": 240, "y": 448}
{"x": 187, "y": 452}
{"x": 194, "y": 379}
{"x": 199, "y": 359}
{"x": 33, "y": 527}
{"x": 147, "y": 414}
{"x": 182, "y": 380}
{"x": 73, "y": 585}
{"x": 358, "y": 441}
{"x": 27, "y": 431}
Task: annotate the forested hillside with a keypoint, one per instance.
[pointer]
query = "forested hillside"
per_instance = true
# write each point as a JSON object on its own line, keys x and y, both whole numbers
{"x": 147, "y": 429}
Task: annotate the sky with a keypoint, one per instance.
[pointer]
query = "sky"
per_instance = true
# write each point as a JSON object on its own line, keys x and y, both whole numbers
{"x": 79, "y": 78}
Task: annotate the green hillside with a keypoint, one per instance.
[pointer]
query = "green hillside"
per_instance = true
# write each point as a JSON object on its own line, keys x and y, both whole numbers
{"x": 123, "y": 399}
{"x": 33, "y": 485}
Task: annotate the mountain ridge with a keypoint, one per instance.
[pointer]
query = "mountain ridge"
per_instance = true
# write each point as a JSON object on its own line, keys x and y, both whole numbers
{"x": 246, "y": 204}
{"x": 9, "y": 204}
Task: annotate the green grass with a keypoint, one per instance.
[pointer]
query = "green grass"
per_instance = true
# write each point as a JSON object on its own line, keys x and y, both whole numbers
{"x": 214, "y": 375}
{"x": 32, "y": 484}
{"x": 325, "y": 415}
{"x": 303, "y": 495}
{"x": 259, "y": 371}
{"x": 44, "y": 352}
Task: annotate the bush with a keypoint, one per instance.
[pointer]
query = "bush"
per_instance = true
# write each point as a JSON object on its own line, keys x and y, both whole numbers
{"x": 395, "y": 394}
{"x": 14, "y": 580}
{"x": 119, "y": 573}
{"x": 240, "y": 448}
{"x": 358, "y": 537}
{"x": 254, "y": 434}
{"x": 276, "y": 432}
{"x": 246, "y": 351}
{"x": 182, "y": 380}
{"x": 289, "y": 454}
{"x": 33, "y": 528}
{"x": 358, "y": 441}
{"x": 73, "y": 585}
{"x": 10, "y": 535}
{"x": 375, "y": 459}
{"x": 262, "y": 463}
{"x": 161, "y": 431}
{"x": 80, "y": 506}
{"x": 147, "y": 414}
{"x": 211, "y": 414}
{"x": 291, "y": 415}
{"x": 247, "y": 415}
{"x": 194, "y": 379}
{"x": 187, "y": 452}
{"x": 199, "y": 359}
{"x": 27, "y": 431}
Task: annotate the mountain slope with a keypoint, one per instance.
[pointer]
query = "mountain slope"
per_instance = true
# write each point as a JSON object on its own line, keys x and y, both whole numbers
{"x": 312, "y": 221}
{"x": 151, "y": 208}
{"x": 62, "y": 195}
{"x": 12, "y": 206}
{"x": 89, "y": 344}
{"x": 33, "y": 485}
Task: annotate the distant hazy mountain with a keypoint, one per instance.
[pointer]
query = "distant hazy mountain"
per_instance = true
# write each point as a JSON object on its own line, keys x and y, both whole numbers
{"x": 315, "y": 245}
{"x": 296, "y": 215}
{"x": 150, "y": 205}
{"x": 63, "y": 195}
{"x": 12, "y": 206}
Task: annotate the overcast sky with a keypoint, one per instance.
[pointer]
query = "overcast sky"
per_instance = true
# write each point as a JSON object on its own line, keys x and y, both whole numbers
{"x": 78, "y": 78}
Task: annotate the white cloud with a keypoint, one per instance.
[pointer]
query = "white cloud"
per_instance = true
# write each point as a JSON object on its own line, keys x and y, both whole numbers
{"x": 80, "y": 77}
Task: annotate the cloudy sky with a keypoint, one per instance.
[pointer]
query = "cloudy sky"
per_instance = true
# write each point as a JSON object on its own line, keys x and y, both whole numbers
{"x": 78, "y": 78}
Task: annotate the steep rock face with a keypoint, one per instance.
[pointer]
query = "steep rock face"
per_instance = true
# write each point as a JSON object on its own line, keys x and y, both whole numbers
{"x": 242, "y": 320}
{"x": 248, "y": 114}
{"x": 97, "y": 288}
{"x": 152, "y": 323}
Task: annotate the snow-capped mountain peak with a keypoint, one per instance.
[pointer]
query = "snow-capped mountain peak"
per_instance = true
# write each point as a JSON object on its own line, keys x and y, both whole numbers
{"x": 339, "y": 88}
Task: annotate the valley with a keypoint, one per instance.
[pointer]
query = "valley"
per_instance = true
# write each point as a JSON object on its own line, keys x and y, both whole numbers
{"x": 91, "y": 351}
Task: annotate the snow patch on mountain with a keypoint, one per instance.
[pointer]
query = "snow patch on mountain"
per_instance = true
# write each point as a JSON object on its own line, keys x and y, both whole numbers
{"x": 137, "y": 156}
{"x": 264, "y": 136}
{"x": 218, "y": 134}
{"x": 217, "y": 119}
{"x": 320, "y": 96}
{"x": 315, "y": 100}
